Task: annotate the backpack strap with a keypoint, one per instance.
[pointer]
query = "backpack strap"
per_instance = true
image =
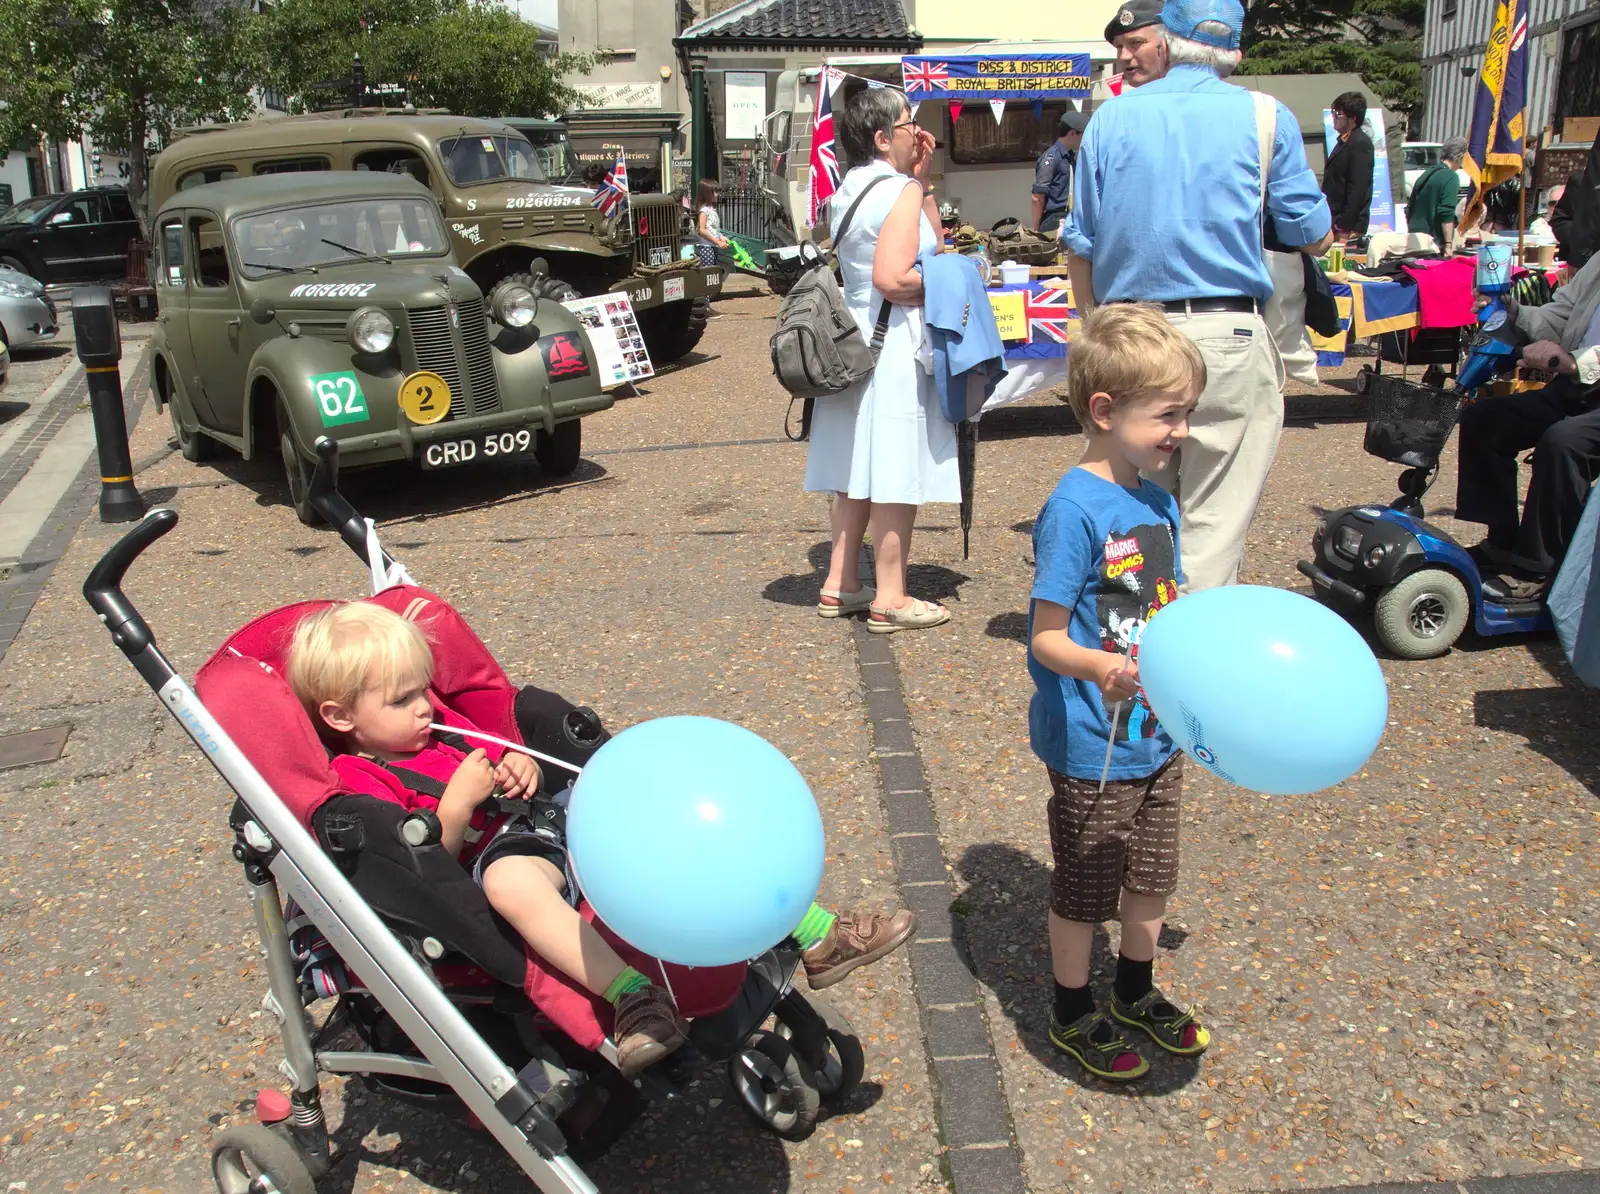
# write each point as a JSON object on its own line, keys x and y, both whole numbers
{"x": 881, "y": 328}
{"x": 1266, "y": 130}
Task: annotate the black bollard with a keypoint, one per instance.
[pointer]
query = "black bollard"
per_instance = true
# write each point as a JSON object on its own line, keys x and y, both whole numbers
{"x": 99, "y": 340}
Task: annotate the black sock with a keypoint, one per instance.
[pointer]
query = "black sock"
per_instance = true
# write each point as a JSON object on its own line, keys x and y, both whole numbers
{"x": 1073, "y": 1003}
{"x": 1134, "y": 979}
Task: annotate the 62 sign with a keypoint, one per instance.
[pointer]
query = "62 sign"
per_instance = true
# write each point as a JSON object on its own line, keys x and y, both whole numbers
{"x": 339, "y": 398}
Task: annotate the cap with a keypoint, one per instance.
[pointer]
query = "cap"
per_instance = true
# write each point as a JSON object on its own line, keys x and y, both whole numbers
{"x": 1073, "y": 122}
{"x": 1215, "y": 23}
{"x": 1133, "y": 14}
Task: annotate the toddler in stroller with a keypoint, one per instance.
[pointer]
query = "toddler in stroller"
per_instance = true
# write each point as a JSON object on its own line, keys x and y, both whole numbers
{"x": 438, "y": 999}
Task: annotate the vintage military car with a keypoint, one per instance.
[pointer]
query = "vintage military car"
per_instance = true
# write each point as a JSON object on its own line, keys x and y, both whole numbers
{"x": 304, "y": 305}
{"x": 508, "y": 223}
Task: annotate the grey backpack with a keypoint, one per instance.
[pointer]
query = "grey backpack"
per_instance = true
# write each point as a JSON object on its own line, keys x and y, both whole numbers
{"x": 817, "y": 348}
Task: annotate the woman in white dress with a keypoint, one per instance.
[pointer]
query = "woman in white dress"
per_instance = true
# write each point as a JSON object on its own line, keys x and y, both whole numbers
{"x": 883, "y": 447}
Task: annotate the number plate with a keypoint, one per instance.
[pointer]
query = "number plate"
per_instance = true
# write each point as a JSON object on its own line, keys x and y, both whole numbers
{"x": 477, "y": 449}
{"x": 660, "y": 256}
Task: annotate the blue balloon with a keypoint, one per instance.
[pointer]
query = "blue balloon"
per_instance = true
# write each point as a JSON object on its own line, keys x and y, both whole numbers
{"x": 1265, "y": 688}
{"x": 695, "y": 840}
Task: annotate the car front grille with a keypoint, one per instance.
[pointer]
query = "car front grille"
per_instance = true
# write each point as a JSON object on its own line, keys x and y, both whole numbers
{"x": 439, "y": 350}
{"x": 656, "y": 228}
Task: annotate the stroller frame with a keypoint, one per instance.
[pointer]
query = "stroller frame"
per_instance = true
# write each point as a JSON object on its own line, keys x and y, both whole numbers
{"x": 520, "y": 1109}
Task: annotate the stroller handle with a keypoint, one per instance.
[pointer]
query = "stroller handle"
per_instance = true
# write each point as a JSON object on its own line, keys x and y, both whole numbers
{"x": 103, "y": 588}
{"x": 323, "y": 494}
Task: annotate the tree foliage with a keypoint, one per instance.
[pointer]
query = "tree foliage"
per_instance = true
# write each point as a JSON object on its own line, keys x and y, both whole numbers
{"x": 126, "y": 71}
{"x": 471, "y": 56}
{"x": 1380, "y": 40}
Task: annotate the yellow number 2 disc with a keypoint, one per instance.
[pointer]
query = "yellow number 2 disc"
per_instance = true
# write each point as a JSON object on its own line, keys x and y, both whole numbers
{"x": 425, "y": 397}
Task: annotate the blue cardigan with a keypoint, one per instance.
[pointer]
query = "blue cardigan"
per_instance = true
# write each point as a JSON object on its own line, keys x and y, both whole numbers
{"x": 961, "y": 325}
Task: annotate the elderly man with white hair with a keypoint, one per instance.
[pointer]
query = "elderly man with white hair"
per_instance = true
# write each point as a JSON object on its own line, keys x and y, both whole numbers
{"x": 1168, "y": 210}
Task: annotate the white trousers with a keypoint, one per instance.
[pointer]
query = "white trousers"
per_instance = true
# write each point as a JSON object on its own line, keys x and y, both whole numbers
{"x": 1233, "y": 440}
{"x": 1286, "y": 316}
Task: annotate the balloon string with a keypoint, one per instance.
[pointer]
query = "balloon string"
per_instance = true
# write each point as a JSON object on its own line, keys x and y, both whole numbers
{"x": 1111, "y": 740}
{"x": 673, "y": 995}
{"x": 1116, "y": 717}
{"x": 517, "y": 746}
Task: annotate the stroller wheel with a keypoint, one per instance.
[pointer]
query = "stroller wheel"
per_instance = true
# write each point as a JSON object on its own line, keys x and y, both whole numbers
{"x": 255, "y": 1159}
{"x": 1364, "y": 379}
{"x": 774, "y": 1086}
{"x": 825, "y": 1040}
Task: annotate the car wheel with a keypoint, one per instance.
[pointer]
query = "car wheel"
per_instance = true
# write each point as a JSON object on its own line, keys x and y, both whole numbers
{"x": 672, "y": 330}
{"x": 13, "y": 263}
{"x": 194, "y": 445}
{"x": 542, "y": 285}
{"x": 1423, "y": 615}
{"x": 296, "y": 472}
{"x": 559, "y": 451}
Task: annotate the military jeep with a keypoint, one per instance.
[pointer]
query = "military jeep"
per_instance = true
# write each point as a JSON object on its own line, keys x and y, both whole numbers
{"x": 508, "y": 223}
{"x": 304, "y": 305}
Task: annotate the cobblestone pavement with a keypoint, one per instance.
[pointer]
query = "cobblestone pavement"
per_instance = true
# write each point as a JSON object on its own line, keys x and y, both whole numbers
{"x": 1398, "y": 971}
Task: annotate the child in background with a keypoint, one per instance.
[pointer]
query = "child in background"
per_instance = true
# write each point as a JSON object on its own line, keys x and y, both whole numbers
{"x": 709, "y": 223}
{"x": 1106, "y": 546}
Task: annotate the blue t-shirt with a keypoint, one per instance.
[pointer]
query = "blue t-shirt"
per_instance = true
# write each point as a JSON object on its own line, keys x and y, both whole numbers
{"x": 1110, "y": 556}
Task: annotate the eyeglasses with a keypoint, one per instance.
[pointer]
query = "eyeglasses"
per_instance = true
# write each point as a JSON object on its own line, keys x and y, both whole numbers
{"x": 905, "y": 124}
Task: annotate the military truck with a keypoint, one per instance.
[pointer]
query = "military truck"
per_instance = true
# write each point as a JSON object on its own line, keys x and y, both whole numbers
{"x": 304, "y": 305}
{"x": 507, "y": 221}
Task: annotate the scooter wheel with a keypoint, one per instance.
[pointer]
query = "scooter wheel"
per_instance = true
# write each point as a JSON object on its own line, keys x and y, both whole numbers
{"x": 1422, "y": 616}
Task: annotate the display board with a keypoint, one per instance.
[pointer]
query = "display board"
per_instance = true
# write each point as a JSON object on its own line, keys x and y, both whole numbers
{"x": 961, "y": 77}
{"x": 619, "y": 353}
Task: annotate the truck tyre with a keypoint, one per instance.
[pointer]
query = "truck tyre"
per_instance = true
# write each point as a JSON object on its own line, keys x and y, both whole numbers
{"x": 672, "y": 330}
{"x": 558, "y": 451}
{"x": 542, "y": 285}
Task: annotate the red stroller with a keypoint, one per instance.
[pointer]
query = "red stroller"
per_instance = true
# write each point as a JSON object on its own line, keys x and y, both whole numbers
{"x": 438, "y": 1000}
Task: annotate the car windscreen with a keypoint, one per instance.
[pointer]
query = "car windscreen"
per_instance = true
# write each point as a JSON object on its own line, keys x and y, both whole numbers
{"x": 328, "y": 233}
{"x": 1422, "y": 155}
{"x": 28, "y": 211}
{"x": 495, "y": 158}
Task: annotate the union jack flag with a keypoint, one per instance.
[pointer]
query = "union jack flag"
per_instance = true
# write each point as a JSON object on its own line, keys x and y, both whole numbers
{"x": 613, "y": 192}
{"x": 824, "y": 157}
{"x": 924, "y": 75}
{"x": 1048, "y": 313}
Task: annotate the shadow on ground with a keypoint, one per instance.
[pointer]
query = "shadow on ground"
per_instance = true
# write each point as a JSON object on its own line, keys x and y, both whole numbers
{"x": 401, "y": 493}
{"x": 1011, "y": 956}
{"x": 1558, "y": 723}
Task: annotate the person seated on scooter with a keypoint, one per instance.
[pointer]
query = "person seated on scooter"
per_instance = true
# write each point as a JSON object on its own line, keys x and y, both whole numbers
{"x": 1560, "y": 422}
{"x": 362, "y": 673}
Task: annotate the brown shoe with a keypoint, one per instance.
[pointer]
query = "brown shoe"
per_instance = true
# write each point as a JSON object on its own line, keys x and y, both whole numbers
{"x": 648, "y": 1028}
{"x": 856, "y": 939}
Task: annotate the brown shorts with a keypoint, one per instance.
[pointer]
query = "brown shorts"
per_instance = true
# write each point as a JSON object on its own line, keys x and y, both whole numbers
{"x": 1102, "y": 842}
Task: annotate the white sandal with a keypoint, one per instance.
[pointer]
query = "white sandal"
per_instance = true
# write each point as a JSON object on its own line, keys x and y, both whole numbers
{"x": 848, "y": 603}
{"x": 916, "y": 615}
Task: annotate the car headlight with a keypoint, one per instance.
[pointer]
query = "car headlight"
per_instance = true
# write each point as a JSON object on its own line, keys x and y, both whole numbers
{"x": 1347, "y": 541}
{"x": 14, "y": 289}
{"x": 514, "y": 306}
{"x": 370, "y": 330}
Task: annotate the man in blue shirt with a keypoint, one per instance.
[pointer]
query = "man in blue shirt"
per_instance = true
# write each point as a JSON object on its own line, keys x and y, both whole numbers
{"x": 1052, "y": 174}
{"x": 1167, "y": 209}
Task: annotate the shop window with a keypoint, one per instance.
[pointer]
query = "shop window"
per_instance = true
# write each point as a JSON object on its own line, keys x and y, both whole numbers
{"x": 976, "y": 139}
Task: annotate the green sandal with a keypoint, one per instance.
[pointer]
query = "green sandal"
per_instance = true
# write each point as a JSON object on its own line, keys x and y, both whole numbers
{"x": 1179, "y": 1033}
{"x": 1112, "y": 1059}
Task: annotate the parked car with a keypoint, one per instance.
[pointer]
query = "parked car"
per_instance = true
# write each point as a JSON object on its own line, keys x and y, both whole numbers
{"x": 27, "y": 313}
{"x": 508, "y": 223}
{"x": 301, "y": 305}
{"x": 81, "y": 236}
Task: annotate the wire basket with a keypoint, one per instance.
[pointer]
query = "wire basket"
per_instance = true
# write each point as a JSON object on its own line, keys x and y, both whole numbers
{"x": 1409, "y": 423}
